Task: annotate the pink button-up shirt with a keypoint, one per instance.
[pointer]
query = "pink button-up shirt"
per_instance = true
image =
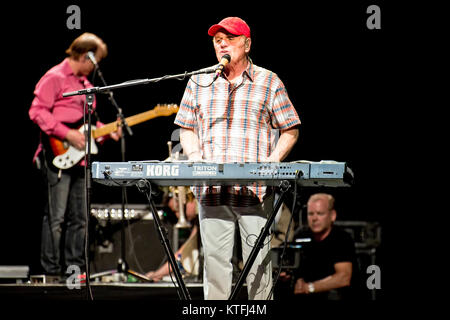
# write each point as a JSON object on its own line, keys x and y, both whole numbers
{"x": 49, "y": 110}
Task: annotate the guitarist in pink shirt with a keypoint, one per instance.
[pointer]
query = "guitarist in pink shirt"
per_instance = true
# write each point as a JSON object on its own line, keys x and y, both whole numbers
{"x": 59, "y": 119}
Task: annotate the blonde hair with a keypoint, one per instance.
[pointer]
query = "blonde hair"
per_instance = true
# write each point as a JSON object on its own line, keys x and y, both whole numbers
{"x": 323, "y": 196}
{"x": 87, "y": 42}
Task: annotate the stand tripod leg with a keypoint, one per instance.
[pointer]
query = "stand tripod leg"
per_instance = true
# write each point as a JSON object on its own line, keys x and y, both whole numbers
{"x": 143, "y": 185}
{"x": 284, "y": 186}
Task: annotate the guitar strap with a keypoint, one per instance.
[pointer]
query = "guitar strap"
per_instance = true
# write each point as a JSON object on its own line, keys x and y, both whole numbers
{"x": 46, "y": 155}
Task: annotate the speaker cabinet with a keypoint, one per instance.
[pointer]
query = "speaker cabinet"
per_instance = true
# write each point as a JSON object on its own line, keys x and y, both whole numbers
{"x": 143, "y": 248}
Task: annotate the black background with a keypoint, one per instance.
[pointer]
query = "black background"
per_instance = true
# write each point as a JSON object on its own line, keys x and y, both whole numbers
{"x": 339, "y": 75}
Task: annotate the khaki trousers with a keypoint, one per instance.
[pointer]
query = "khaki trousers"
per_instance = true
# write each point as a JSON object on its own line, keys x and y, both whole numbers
{"x": 217, "y": 228}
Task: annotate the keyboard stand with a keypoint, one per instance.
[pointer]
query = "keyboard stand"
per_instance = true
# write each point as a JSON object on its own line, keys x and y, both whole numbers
{"x": 284, "y": 186}
{"x": 145, "y": 187}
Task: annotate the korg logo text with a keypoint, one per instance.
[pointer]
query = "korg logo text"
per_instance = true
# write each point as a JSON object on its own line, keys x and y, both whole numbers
{"x": 164, "y": 170}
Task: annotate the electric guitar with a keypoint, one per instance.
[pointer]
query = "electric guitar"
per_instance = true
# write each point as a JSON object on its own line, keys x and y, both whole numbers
{"x": 66, "y": 156}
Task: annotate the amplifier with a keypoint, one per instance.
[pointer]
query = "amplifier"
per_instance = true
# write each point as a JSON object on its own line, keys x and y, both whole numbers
{"x": 366, "y": 234}
{"x": 144, "y": 251}
{"x": 114, "y": 211}
{"x": 16, "y": 273}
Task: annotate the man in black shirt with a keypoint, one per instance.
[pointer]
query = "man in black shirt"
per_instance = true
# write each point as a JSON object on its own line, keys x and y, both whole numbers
{"x": 327, "y": 268}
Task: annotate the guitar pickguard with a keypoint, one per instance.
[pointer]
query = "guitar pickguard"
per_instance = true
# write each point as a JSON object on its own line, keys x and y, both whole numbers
{"x": 72, "y": 156}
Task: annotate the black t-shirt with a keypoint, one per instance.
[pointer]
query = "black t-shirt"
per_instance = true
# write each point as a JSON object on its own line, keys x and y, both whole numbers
{"x": 319, "y": 257}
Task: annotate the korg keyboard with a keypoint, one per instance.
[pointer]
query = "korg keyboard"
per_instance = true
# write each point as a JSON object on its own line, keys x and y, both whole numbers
{"x": 185, "y": 173}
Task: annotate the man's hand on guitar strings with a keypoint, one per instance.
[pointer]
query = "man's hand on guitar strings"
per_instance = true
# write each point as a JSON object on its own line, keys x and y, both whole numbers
{"x": 76, "y": 139}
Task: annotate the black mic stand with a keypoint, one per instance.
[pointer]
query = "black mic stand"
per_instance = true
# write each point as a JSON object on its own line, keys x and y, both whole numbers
{"x": 88, "y": 180}
{"x": 122, "y": 265}
{"x": 89, "y": 92}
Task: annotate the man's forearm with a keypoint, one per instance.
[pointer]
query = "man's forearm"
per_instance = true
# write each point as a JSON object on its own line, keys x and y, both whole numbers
{"x": 191, "y": 144}
{"x": 332, "y": 282}
{"x": 285, "y": 143}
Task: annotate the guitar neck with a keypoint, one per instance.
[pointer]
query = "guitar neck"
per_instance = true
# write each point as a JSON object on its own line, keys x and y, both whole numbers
{"x": 131, "y": 121}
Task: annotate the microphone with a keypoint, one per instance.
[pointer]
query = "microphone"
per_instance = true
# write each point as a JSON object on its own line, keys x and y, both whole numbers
{"x": 91, "y": 57}
{"x": 223, "y": 62}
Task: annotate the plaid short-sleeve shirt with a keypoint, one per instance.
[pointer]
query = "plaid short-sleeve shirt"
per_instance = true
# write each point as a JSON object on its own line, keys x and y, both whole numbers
{"x": 237, "y": 122}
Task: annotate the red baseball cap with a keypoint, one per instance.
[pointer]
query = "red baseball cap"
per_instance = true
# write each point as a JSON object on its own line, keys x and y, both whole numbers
{"x": 233, "y": 25}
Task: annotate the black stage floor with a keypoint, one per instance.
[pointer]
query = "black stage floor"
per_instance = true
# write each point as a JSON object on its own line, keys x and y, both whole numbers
{"x": 102, "y": 291}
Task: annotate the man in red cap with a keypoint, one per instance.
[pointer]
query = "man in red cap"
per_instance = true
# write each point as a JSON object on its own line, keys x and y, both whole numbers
{"x": 235, "y": 117}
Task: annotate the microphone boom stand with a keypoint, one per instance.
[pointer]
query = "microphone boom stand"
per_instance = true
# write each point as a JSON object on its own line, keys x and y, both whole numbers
{"x": 89, "y": 92}
{"x": 122, "y": 264}
{"x": 88, "y": 180}
{"x": 131, "y": 83}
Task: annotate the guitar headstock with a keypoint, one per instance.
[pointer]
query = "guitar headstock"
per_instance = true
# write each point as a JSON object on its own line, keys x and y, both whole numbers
{"x": 166, "y": 109}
